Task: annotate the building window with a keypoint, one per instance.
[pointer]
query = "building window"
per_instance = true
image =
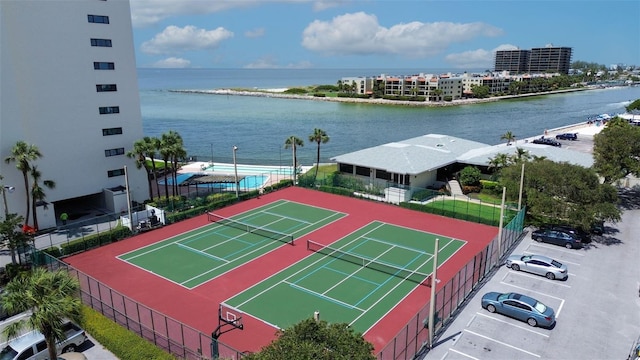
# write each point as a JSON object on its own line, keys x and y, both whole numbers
{"x": 346, "y": 168}
{"x": 109, "y": 110}
{"x": 112, "y": 131}
{"x": 101, "y": 42}
{"x": 98, "y": 19}
{"x": 363, "y": 171}
{"x": 381, "y": 174}
{"x": 101, "y": 65}
{"x": 106, "y": 87}
{"x": 114, "y": 152}
{"x": 114, "y": 173}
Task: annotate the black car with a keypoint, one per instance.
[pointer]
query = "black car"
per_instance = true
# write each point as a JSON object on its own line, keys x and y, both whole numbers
{"x": 546, "y": 141}
{"x": 567, "y": 136}
{"x": 558, "y": 237}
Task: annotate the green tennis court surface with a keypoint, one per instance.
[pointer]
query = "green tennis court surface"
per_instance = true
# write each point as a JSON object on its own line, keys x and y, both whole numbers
{"x": 357, "y": 280}
{"x": 198, "y": 256}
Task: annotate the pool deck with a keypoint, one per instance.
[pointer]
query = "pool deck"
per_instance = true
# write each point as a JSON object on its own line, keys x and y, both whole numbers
{"x": 202, "y": 167}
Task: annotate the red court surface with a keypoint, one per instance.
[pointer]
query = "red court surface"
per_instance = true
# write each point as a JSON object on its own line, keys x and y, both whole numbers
{"x": 198, "y": 307}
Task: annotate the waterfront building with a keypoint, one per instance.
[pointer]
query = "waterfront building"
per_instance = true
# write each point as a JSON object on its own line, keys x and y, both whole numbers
{"x": 514, "y": 61}
{"x": 69, "y": 87}
{"x": 550, "y": 59}
{"x": 537, "y": 60}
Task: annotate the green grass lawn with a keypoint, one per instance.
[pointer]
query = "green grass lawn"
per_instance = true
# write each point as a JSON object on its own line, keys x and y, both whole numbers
{"x": 466, "y": 210}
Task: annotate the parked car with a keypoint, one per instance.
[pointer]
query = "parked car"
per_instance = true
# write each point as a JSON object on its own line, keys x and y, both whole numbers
{"x": 584, "y": 236}
{"x": 567, "y": 136}
{"x": 557, "y": 237}
{"x": 546, "y": 141}
{"x": 521, "y": 307}
{"x": 539, "y": 265}
{"x": 33, "y": 346}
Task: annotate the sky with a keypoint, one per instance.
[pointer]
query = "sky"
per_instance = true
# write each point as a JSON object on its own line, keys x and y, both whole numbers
{"x": 442, "y": 34}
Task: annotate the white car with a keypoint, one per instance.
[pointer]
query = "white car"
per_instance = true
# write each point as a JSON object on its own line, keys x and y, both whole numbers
{"x": 539, "y": 265}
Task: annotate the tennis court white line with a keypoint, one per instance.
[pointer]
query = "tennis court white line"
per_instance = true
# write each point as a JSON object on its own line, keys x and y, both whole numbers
{"x": 322, "y": 296}
{"x": 200, "y": 252}
{"x": 355, "y": 272}
{"x": 389, "y": 292}
{"x": 286, "y": 217}
{"x": 398, "y": 246}
{"x": 296, "y": 273}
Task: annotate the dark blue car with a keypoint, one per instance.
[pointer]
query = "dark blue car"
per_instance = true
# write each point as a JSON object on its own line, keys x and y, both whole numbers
{"x": 567, "y": 136}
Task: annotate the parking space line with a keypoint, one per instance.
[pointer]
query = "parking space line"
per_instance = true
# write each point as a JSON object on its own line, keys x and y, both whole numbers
{"x": 557, "y": 248}
{"x": 470, "y": 321}
{"x": 503, "y": 343}
{"x": 554, "y": 282}
{"x": 541, "y": 293}
{"x": 460, "y": 353}
{"x": 508, "y": 323}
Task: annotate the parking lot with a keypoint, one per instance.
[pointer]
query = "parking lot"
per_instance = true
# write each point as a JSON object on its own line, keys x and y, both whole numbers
{"x": 597, "y": 307}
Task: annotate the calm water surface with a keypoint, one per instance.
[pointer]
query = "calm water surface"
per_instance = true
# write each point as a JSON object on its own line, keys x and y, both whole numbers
{"x": 212, "y": 124}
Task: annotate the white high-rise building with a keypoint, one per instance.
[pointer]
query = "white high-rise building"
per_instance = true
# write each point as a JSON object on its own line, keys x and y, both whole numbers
{"x": 69, "y": 86}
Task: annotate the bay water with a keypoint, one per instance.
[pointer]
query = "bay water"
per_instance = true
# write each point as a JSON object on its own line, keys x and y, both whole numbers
{"x": 211, "y": 125}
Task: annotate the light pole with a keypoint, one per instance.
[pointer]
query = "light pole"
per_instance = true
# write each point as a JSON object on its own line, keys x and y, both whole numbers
{"x": 235, "y": 169}
{"x": 211, "y": 156}
{"x": 5, "y": 189}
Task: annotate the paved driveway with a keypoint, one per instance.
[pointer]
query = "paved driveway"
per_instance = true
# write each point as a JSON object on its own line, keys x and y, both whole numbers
{"x": 597, "y": 307}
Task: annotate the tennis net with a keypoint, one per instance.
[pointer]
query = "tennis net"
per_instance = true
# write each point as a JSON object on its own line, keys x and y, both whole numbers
{"x": 400, "y": 272}
{"x": 268, "y": 233}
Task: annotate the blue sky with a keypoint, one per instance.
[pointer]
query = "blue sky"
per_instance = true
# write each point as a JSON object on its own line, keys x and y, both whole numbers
{"x": 445, "y": 34}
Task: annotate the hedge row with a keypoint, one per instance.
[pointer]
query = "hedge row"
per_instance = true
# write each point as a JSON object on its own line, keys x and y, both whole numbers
{"x": 123, "y": 343}
{"x": 449, "y": 213}
{"x": 91, "y": 241}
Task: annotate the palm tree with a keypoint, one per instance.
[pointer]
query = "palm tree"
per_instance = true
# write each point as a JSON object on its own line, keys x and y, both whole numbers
{"x": 177, "y": 155}
{"x": 11, "y": 234}
{"x": 52, "y": 297}
{"x": 508, "y": 136}
{"x": 294, "y": 142}
{"x": 37, "y": 192}
{"x": 168, "y": 144}
{"x": 23, "y": 154}
{"x": 319, "y": 136}
{"x": 499, "y": 161}
{"x": 141, "y": 150}
{"x": 521, "y": 155}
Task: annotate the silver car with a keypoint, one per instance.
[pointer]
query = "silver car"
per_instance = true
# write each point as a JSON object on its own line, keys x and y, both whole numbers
{"x": 539, "y": 265}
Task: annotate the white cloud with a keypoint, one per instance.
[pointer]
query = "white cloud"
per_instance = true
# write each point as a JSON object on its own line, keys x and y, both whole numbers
{"x": 270, "y": 62}
{"x": 476, "y": 59}
{"x": 149, "y": 12}
{"x": 174, "y": 40}
{"x": 172, "y": 62}
{"x": 255, "y": 33}
{"x": 361, "y": 34}
{"x": 327, "y": 4}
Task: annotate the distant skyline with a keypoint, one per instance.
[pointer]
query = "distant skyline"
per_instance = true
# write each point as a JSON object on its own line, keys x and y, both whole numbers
{"x": 447, "y": 34}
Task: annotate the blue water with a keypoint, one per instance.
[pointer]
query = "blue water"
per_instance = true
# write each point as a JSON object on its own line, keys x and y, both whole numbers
{"x": 250, "y": 169}
{"x": 211, "y": 125}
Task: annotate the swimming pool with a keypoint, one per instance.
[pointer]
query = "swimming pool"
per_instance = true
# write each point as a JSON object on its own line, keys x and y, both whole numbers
{"x": 247, "y": 183}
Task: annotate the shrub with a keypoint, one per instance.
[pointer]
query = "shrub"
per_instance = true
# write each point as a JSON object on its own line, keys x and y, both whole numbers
{"x": 471, "y": 189}
{"x": 123, "y": 343}
{"x": 470, "y": 175}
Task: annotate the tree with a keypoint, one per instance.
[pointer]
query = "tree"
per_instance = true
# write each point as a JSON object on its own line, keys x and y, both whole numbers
{"x": 469, "y": 176}
{"x": 311, "y": 339}
{"x": 633, "y": 106}
{"x": 37, "y": 192}
{"x": 293, "y": 143}
{"x": 616, "y": 150}
{"x": 141, "y": 150}
{"x": 23, "y": 154}
{"x": 480, "y": 92}
{"x": 561, "y": 192}
{"x": 52, "y": 297}
{"x": 170, "y": 147}
{"x": 12, "y": 235}
{"x": 508, "y": 136}
{"x": 520, "y": 156}
{"x": 319, "y": 136}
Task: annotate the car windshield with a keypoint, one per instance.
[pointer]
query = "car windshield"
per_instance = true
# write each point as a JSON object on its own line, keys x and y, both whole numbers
{"x": 8, "y": 353}
{"x": 540, "y": 307}
{"x": 503, "y": 297}
{"x": 556, "y": 264}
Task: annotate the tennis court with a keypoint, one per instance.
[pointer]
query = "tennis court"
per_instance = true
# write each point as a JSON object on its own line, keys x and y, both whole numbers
{"x": 357, "y": 279}
{"x": 195, "y": 257}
